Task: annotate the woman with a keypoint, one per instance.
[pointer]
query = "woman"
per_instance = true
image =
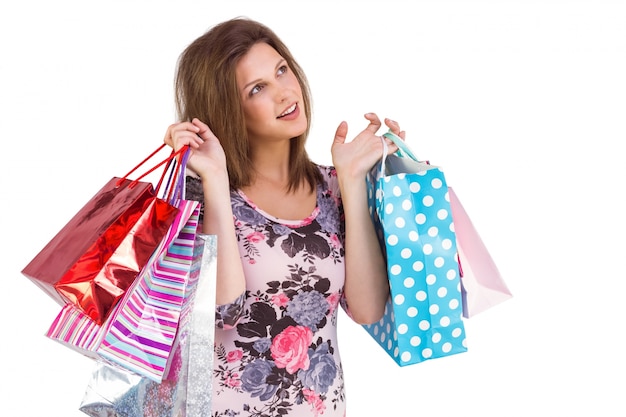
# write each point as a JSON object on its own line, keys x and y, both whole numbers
{"x": 295, "y": 239}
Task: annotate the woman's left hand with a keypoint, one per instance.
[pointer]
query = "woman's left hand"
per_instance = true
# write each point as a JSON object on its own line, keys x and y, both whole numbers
{"x": 355, "y": 158}
{"x": 366, "y": 285}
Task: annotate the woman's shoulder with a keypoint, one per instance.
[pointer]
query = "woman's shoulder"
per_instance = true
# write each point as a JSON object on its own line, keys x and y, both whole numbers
{"x": 328, "y": 171}
{"x": 329, "y": 175}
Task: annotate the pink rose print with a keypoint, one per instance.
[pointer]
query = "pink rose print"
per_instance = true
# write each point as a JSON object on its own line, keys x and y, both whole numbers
{"x": 333, "y": 301}
{"x": 290, "y": 348}
{"x": 233, "y": 381}
{"x": 317, "y": 405}
{"x": 335, "y": 241}
{"x": 280, "y": 300}
{"x": 255, "y": 237}
{"x": 234, "y": 355}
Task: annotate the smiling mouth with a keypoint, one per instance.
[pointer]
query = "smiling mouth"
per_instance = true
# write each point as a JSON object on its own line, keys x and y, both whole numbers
{"x": 290, "y": 110}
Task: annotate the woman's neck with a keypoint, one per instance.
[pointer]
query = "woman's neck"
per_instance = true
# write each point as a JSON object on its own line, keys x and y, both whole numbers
{"x": 270, "y": 166}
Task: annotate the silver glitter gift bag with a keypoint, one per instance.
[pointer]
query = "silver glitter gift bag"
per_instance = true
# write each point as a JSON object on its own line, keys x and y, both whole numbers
{"x": 185, "y": 391}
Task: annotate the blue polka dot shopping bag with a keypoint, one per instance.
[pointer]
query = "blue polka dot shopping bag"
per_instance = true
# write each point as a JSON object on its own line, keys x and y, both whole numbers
{"x": 410, "y": 207}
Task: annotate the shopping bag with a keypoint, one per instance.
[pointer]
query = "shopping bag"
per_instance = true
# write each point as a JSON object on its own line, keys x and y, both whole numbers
{"x": 482, "y": 284}
{"x": 410, "y": 208}
{"x": 140, "y": 333}
{"x": 95, "y": 257}
{"x": 186, "y": 389}
{"x": 76, "y": 330}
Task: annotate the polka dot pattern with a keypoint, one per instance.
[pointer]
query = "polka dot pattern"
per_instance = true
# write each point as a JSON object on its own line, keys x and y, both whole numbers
{"x": 413, "y": 218}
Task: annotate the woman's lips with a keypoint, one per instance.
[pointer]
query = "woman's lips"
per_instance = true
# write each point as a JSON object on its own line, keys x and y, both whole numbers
{"x": 291, "y": 112}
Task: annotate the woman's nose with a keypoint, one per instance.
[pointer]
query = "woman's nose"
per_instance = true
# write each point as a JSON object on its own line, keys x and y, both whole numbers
{"x": 282, "y": 93}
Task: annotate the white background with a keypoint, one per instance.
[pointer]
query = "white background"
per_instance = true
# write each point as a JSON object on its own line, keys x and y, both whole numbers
{"x": 523, "y": 104}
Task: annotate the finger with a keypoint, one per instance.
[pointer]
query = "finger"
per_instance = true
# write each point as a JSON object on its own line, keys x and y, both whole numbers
{"x": 391, "y": 145}
{"x": 186, "y": 133}
{"x": 375, "y": 122}
{"x": 341, "y": 133}
{"x": 203, "y": 129}
{"x": 168, "y": 136}
{"x": 393, "y": 126}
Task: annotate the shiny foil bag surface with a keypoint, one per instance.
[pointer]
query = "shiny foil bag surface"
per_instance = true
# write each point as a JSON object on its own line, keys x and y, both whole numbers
{"x": 95, "y": 257}
{"x": 186, "y": 391}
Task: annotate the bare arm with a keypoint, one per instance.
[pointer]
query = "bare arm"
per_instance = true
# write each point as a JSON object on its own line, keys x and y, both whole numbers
{"x": 367, "y": 286}
{"x": 207, "y": 160}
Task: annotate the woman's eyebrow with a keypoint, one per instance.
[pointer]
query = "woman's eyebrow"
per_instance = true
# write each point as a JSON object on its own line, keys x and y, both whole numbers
{"x": 280, "y": 62}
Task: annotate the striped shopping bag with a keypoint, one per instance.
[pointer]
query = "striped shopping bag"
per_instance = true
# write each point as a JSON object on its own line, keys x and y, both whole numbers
{"x": 186, "y": 387}
{"x": 75, "y": 329}
{"x": 141, "y": 332}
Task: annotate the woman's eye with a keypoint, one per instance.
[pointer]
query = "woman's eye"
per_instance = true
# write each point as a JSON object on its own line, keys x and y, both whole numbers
{"x": 256, "y": 89}
{"x": 283, "y": 69}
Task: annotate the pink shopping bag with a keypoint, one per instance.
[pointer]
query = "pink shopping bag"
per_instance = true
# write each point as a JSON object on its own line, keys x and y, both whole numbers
{"x": 73, "y": 328}
{"x": 482, "y": 284}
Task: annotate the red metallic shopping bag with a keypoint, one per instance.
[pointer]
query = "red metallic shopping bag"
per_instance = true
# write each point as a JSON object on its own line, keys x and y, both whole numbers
{"x": 97, "y": 255}
{"x": 482, "y": 284}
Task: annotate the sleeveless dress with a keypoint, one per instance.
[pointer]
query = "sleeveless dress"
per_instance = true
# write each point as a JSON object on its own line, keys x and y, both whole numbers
{"x": 276, "y": 349}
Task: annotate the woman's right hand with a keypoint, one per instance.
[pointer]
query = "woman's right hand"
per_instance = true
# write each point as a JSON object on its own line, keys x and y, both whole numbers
{"x": 207, "y": 158}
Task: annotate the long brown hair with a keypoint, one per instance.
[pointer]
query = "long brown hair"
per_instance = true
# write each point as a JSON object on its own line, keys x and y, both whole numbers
{"x": 206, "y": 88}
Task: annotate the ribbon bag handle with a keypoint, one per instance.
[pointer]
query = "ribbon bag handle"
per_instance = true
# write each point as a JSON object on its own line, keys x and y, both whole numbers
{"x": 175, "y": 187}
{"x": 168, "y": 160}
{"x": 401, "y": 161}
{"x": 403, "y": 148}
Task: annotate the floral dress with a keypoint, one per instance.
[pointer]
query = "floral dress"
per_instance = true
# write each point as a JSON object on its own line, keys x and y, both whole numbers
{"x": 276, "y": 347}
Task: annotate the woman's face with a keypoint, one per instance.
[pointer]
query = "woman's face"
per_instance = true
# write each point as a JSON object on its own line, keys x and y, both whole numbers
{"x": 271, "y": 95}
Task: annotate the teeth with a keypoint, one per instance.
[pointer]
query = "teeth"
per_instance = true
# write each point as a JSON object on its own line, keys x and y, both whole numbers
{"x": 289, "y": 110}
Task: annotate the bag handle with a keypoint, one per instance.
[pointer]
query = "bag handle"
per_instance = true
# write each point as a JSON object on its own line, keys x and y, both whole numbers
{"x": 167, "y": 161}
{"x": 403, "y": 148}
{"x": 175, "y": 187}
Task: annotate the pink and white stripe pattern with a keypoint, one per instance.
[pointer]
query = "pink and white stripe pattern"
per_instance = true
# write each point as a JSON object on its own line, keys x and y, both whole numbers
{"x": 141, "y": 332}
{"x": 76, "y": 330}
